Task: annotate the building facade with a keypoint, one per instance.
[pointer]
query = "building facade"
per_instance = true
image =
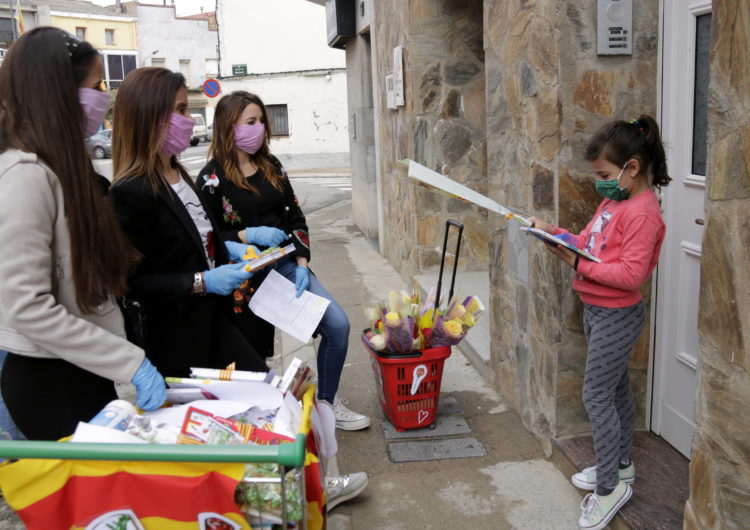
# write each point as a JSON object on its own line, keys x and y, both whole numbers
{"x": 502, "y": 96}
{"x": 277, "y": 53}
{"x": 182, "y": 44}
{"x": 10, "y": 26}
{"x": 106, "y": 28}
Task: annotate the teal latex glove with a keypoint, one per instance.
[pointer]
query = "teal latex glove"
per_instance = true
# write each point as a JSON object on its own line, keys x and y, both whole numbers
{"x": 225, "y": 279}
{"x": 237, "y": 251}
{"x": 301, "y": 280}
{"x": 265, "y": 236}
{"x": 150, "y": 390}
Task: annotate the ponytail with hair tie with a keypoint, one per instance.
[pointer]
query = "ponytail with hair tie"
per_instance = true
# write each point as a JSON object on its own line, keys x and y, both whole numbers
{"x": 618, "y": 141}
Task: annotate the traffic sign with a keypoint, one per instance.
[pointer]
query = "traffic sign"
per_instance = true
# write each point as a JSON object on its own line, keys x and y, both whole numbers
{"x": 211, "y": 88}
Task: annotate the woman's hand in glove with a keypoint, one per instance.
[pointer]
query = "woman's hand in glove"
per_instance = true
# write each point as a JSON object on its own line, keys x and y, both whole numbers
{"x": 301, "y": 280}
{"x": 237, "y": 251}
{"x": 150, "y": 390}
{"x": 265, "y": 236}
{"x": 225, "y": 279}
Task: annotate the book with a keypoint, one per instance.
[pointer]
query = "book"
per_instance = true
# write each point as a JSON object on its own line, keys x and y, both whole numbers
{"x": 296, "y": 379}
{"x": 555, "y": 240}
{"x": 266, "y": 258}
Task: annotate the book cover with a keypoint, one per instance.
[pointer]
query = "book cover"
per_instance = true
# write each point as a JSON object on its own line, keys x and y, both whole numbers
{"x": 555, "y": 240}
{"x": 266, "y": 257}
{"x": 296, "y": 379}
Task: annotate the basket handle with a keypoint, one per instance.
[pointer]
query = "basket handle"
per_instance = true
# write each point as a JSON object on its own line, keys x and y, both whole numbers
{"x": 460, "y": 227}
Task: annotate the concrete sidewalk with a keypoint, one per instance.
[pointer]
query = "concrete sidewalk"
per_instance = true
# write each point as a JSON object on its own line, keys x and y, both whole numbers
{"x": 513, "y": 486}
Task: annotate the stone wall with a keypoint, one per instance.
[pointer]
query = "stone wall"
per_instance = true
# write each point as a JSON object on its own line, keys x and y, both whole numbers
{"x": 547, "y": 92}
{"x": 441, "y": 126}
{"x": 720, "y": 469}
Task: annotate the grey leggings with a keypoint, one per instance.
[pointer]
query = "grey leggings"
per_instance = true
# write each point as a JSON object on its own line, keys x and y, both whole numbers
{"x": 611, "y": 334}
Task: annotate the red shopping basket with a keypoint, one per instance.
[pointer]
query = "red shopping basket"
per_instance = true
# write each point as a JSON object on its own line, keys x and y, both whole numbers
{"x": 409, "y": 385}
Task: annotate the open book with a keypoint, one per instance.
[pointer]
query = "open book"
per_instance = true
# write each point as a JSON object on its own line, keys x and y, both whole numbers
{"x": 555, "y": 240}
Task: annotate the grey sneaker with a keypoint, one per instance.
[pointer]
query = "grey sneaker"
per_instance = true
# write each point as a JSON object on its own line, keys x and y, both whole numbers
{"x": 597, "y": 511}
{"x": 346, "y": 419}
{"x": 586, "y": 479}
{"x": 344, "y": 487}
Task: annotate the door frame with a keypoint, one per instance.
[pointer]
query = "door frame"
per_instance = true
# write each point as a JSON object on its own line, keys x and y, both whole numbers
{"x": 655, "y": 368}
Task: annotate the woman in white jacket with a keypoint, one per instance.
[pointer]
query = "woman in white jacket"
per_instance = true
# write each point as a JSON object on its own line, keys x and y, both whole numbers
{"x": 64, "y": 257}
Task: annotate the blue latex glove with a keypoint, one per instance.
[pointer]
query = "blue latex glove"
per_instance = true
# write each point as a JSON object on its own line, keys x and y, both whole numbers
{"x": 301, "y": 280}
{"x": 237, "y": 251}
{"x": 265, "y": 236}
{"x": 225, "y": 279}
{"x": 150, "y": 390}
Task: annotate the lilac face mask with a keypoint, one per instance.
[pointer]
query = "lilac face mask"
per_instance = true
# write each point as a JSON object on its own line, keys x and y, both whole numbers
{"x": 95, "y": 104}
{"x": 249, "y": 138}
{"x": 178, "y": 134}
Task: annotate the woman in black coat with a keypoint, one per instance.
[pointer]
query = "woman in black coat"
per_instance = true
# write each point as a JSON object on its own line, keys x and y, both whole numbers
{"x": 183, "y": 278}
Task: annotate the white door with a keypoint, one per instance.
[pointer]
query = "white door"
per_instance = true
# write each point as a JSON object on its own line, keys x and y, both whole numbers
{"x": 685, "y": 56}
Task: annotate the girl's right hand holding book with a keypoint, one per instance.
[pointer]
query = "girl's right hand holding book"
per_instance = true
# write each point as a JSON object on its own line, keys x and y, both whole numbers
{"x": 542, "y": 225}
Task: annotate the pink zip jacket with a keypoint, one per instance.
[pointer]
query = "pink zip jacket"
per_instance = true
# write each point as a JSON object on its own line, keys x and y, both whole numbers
{"x": 627, "y": 237}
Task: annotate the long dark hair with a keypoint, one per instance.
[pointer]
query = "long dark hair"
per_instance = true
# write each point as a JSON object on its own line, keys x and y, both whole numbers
{"x": 228, "y": 111}
{"x": 145, "y": 101}
{"x": 40, "y": 114}
{"x": 619, "y": 141}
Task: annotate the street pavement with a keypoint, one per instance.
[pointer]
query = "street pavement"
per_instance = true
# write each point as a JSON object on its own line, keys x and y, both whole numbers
{"x": 513, "y": 486}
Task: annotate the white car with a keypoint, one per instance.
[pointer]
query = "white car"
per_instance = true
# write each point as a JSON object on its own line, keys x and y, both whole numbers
{"x": 200, "y": 131}
{"x": 3, "y": 51}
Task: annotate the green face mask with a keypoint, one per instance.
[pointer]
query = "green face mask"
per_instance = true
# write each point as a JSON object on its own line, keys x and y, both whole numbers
{"x": 611, "y": 188}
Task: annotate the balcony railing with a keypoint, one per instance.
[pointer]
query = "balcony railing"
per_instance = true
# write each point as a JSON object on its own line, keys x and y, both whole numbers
{"x": 113, "y": 85}
{"x": 6, "y": 39}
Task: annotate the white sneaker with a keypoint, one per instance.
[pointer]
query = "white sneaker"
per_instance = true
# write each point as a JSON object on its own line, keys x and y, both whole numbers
{"x": 586, "y": 479}
{"x": 346, "y": 419}
{"x": 597, "y": 511}
{"x": 344, "y": 487}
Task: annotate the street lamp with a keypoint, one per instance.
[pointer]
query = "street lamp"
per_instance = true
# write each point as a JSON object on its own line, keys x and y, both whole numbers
{"x": 143, "y": 62}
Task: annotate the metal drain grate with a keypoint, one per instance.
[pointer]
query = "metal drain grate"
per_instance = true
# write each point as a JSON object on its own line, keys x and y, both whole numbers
{"x": 443, "y": 426}
{"x": 434, "y": 450}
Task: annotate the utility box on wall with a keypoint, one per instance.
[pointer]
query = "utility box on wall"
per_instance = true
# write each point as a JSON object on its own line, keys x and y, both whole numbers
{"x": 341, "y": 22}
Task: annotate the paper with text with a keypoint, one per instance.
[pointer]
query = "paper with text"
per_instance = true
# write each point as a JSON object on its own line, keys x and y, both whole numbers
{"x": 274, "y": 302}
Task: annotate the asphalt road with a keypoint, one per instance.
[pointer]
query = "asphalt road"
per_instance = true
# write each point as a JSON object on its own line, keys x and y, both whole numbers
{"x": 315, "y": 188}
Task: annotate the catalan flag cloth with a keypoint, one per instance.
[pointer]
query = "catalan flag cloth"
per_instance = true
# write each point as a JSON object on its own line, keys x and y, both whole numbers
{"x": 51, "y": 494}
{"x": 84, "y": 494}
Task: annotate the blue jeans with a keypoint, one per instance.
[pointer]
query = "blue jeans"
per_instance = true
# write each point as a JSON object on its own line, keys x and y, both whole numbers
{"x": 333, "y": 330}
{"x": 6, "y": 422}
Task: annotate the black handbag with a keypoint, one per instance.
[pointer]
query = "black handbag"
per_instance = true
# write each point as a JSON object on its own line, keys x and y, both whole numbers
{"x": 135, "y": 321}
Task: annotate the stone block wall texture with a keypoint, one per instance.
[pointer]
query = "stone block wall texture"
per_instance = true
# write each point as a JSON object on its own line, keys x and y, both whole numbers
{"x": 720, "y": 469}
{"x": 441, "y": 126}
{"x": 547, "y": 92}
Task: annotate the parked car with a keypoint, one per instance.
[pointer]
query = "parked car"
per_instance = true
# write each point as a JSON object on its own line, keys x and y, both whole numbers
{"x": 210, "y": 129}
{"x": 100, "y": 145}
{"x": 200, "y": 131}
{"x": 3, "y": 51}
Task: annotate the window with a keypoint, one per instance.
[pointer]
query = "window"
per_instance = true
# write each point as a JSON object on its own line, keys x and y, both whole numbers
{"x": 278, "y": 118}
{"x": 212, "y": 67}
{"x": 158, "y": 61}
{"x": 185, "y": 71}
{"x": 109, "y": 37}
{"x": 700, "y": 97}
{"x": 118, "y": 66}
{"x": 80, "y": 33}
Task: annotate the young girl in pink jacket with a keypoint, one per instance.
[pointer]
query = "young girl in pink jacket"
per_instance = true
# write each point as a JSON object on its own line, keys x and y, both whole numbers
{"x": 626, "y": 233}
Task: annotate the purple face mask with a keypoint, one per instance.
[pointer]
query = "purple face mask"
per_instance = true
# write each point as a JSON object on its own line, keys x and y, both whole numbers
{"x": 249, "y": 138}
{"x": 178, "y": 135}
{"x": 95, "y": 104}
